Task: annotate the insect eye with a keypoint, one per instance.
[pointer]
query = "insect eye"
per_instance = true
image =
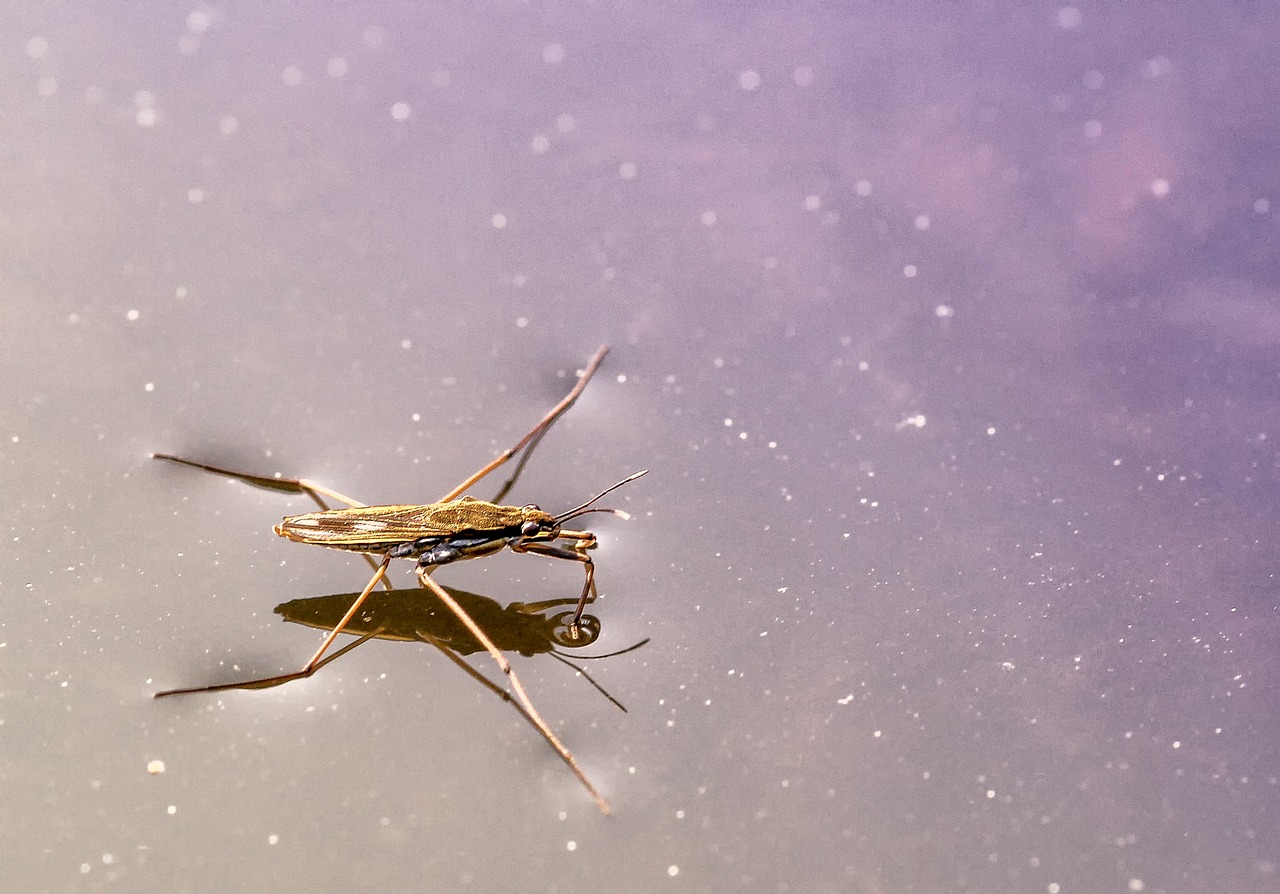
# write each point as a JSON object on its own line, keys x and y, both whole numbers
{"x": 530, "y": 528}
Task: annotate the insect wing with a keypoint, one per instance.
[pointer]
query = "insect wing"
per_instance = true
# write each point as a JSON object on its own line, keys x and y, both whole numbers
{"x": 374, "y": 526}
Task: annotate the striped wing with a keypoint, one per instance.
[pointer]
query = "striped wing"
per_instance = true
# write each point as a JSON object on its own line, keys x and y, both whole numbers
{"x": 378, "y": 527}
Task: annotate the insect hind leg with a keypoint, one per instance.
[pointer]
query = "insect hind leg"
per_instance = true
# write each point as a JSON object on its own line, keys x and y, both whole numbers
{"x": 305, "y": 486}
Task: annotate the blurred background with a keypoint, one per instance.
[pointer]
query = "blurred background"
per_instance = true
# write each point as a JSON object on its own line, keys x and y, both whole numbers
{"x": 949, "y": 333}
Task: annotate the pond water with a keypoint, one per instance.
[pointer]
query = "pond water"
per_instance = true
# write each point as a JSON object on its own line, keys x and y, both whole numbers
{"x": 950, "y": 338}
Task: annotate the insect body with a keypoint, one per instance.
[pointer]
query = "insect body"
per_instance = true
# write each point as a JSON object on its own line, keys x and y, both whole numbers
{"x": 440, "y": 533}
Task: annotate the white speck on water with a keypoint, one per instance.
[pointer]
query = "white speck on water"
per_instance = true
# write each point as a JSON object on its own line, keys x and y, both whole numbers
{"x": 943, "y": 311}
{"x": 406, "y": 344}
{"x": 150, "y": 386}
{"x": 728, "y": 423}
{"x": 922, "y": 222}
{"x": 862, "y": 188}
{"x": 400, "y": 111}
{"x": 1069, "y": 18}
{"x": 673, "y": 870}
{"x": 198, "y": 21}
{"x": 522, "y": 322}
{"x": 171, "y": 809}
{"x": 228, "y": 124}
{"x": 131, "y": 315}
{"x": 910, "y": 270}
{"x": 844, "y": 701}
{"x": 628, "y": 170}
{"x": 540, "y": 144}
{"x": 749, "y": 80}
{"x": 622, "y": 378}
{"x": 155, "y": 768}
{"x": 708, "y": 218}
{"x": 195, "y": 195}
{"x": 499, "y": 221}
{"x": 336, "y": 67}
{"x": 145, "y": 117}
{"x": 1135, "y": 884}
{"x": 108, "y": 859}
{"x": 273, "y": 840}
{"x": 37, "y": 47}
{"x": 1160, "y": 187}
{"x": 571, "y": 846}
{"x": 812, "y": 203}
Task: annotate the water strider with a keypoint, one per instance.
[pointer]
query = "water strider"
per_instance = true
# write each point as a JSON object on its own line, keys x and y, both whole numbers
{"x": 452, "y": 529}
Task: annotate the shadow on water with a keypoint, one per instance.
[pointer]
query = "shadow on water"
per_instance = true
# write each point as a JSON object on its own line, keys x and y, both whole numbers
{"x": 415, "y": 614}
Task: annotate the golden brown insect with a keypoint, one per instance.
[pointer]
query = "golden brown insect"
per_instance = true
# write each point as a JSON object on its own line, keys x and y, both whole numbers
{"x": 452, "y": 529}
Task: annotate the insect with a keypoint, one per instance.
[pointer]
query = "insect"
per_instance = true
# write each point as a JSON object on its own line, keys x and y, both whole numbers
{"x": 452, "y": 529}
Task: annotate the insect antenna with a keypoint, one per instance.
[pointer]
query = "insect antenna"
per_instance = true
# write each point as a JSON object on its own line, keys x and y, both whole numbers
{"x": 583, "y": 510}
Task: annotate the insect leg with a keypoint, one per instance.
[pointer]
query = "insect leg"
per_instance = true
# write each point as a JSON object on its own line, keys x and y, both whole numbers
{"x": 312, "y": 489}
{"x": 528, "y": 709}
{"x": 534, "y": 435}
{"x": 311, "y": 666}
{"x": 577, "y": 553}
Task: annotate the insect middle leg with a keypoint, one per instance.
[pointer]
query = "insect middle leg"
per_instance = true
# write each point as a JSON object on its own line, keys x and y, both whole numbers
{"x": 311, "y": 666}
{"x": 535, "y": 434}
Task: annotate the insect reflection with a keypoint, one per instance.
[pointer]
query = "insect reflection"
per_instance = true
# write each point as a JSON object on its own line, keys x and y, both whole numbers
{"x": 415, "y": 614}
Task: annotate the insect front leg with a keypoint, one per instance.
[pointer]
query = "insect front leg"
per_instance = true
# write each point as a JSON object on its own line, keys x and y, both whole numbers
{"x": 583, "y": 541}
